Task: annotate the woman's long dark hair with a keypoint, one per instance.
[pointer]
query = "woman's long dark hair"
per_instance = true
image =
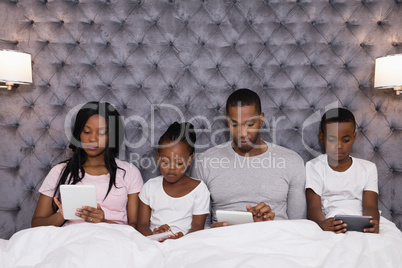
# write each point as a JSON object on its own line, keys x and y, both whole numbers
{"x": 74, "y": 172}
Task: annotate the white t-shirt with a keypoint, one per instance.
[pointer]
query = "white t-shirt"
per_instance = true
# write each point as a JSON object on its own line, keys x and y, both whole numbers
{"x": 128, "y": 181}
{"x": 177, "y": 212}
{"x": 341, "y": 192}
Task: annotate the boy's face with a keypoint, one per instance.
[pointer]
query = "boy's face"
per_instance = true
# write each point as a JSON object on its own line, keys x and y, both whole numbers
{"x": 245, "y": 126}
{"x": 338, "y": 139}
{"x": 173, "y": 160}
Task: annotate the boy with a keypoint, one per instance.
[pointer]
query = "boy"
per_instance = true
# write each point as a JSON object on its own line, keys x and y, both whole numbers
{"x": 337, "y": 183}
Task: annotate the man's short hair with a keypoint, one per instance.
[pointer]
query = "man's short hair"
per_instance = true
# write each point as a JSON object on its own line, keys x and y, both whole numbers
{"x": 337, "y": 115}
{"x": 243, "y": 97}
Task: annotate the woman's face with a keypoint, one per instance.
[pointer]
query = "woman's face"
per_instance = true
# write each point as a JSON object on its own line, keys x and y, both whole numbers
{"x": 94, "y": 136}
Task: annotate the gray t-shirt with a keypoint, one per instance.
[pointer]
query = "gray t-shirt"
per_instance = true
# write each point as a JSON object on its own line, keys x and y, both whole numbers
{"x": 276, "y": 177}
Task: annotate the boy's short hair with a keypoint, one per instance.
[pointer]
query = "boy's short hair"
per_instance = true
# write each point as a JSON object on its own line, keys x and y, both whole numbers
{"x": 337, "y": 115}
{"x": 244, "y": 97}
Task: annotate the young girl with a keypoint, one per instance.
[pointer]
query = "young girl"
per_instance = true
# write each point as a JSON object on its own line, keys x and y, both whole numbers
{"x": 97, "y": 136}
{"x": 337, "y": 183}
{"x": 174, "y": 202}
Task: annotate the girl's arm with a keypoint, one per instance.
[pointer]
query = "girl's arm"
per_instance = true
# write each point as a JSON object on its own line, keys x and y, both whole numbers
{"x": 45, "y": 214}
{"x": 198, "y": 223}
{"x": 370, "y": 208}
{"x": 132, "y": 209}
{"x": 314, "y": 213}
{"x": 144, "y": 217}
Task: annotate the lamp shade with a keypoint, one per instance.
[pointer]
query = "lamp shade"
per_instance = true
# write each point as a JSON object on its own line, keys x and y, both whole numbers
{"x": 388, "y": 71}
{"x": 15, "y": 67}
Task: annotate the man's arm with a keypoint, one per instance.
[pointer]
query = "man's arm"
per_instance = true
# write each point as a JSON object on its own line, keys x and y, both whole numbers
{"x": 296, "y": 201}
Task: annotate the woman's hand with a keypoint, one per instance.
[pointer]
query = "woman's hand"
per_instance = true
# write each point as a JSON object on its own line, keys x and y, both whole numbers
{"x": 91, "y": 214}
{"x": 59, "y": 205}
{"x": 375, "y": 229}
{"x": 334, "y": 226}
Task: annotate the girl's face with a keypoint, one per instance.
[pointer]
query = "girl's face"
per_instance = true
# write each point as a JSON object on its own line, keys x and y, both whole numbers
{"x": 94, "y": 136}
{"x": 174, "y": 160}
{"x": 338, "y": 139}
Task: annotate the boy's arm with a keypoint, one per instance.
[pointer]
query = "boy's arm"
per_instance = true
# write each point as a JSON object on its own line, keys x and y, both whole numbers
{"x": 315, "y": 214}
{"x": 198, "y": 223}
{"x": 144, "y": 217}
{"x": 370, "y": 208}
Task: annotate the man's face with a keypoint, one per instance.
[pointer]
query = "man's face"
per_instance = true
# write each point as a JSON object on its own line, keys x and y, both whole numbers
{"x": 245, "y": 127}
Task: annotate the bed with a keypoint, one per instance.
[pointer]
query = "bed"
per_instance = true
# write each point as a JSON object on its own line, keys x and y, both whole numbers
{"x": 293, "y": 243}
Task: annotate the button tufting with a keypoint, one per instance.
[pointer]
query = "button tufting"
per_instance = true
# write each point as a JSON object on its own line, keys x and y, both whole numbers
{"x": 375, "y": 149}
{"x": 360, "y": 129}
{"x": 379, "y": 23}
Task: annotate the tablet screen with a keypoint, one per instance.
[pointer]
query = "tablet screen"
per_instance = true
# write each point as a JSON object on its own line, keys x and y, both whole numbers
{"x": 355, "y": 222}
{"x": 234, "y": 217}
{"x": 76, "y": 196}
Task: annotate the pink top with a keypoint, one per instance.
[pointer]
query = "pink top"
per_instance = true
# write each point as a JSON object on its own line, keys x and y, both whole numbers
{"x": 115, "y": 204}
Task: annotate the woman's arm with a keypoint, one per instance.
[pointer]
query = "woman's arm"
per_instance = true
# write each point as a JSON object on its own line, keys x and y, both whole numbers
{"x": 144, "y": 218}
{"x": 45, "y": 214}
{"x": 314, "y": 213}
{"x": 370, "y": 208}
{"x": 132, "y": 209}
{"x": 198, "y": 223}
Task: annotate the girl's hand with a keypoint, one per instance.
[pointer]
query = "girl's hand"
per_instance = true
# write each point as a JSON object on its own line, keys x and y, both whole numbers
{"x": 375, "y": 229}
{"x": 162, "y": 229}
{"x": 333, "y": 226}
{"x": 176, "y": 235}
{"x": 91, "y": 214}
{"x": 59, "y": 205}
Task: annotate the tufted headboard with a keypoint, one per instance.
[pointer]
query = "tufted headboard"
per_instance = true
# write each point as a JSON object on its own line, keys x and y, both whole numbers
{"x": 160, "y": 61}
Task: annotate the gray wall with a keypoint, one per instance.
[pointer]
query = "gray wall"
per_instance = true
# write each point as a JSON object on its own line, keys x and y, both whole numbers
{"x": 161, "y": 61}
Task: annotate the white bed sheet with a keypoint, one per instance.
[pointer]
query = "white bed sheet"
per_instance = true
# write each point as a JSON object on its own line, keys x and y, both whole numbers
{"x": 269, "y": 244}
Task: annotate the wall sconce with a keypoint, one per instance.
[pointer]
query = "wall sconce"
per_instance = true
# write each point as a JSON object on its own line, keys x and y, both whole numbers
{"x": 388, "y": 72}
{"x": 15, "y": 68}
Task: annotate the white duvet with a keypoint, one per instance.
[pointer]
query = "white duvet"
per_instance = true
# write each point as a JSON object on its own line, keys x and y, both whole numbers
{"x": 269, "y": 244}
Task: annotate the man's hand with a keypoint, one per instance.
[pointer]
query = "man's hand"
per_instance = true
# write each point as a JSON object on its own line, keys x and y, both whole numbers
{"x": 261, "y": 212}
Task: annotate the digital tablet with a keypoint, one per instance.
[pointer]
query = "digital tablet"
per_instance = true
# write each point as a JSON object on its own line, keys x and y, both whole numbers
{"x": 164, "y": 235}
{"x": 76, "y": 196}
{"x": 354, "y": 222}
{"x": 234, "y": 217}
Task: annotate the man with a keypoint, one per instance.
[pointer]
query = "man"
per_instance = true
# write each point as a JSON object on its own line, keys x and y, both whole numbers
{"x": 248, "y": 173}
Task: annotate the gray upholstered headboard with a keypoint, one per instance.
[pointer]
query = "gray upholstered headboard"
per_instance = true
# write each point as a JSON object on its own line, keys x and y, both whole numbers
{"x": 161, "y": 61}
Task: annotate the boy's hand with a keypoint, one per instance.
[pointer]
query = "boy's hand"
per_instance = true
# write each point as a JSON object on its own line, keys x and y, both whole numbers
{"x": 261, "y": 212}
{"x": 375, "y": 229}
{"x": 334, "y": 226}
